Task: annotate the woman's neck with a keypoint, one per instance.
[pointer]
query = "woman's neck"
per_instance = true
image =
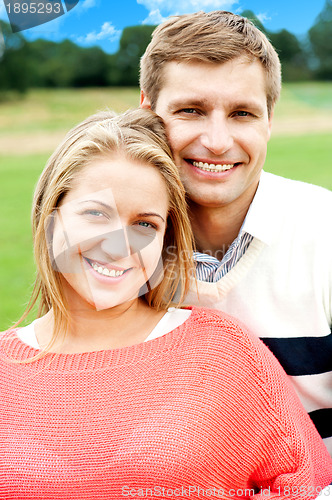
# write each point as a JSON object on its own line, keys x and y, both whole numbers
{"x": 91, "y": 330}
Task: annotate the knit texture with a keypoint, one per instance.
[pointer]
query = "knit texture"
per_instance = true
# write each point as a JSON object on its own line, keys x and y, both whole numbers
{"x": 204, "y": 406}
{"x": 281, "y": 287}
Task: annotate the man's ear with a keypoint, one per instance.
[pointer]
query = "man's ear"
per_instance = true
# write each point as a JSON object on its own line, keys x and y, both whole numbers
{"x": 144, "y": 101}
{"x": 270, "y": 121}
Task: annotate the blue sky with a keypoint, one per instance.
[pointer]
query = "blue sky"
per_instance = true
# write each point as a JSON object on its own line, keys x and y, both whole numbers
{"x": 100, "y": 22}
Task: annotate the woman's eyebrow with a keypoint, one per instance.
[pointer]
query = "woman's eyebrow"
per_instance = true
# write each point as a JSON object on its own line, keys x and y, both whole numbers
{"x": 149, "y": 214}
{"x": 98, "y": 202}
{"x": 109, "y": 207}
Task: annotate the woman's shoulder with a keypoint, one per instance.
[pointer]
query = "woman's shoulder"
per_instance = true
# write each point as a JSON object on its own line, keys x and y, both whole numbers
{"x": 229, "y": 337}
{"x": 10, "y": 333}
{"x": 9, "y": 339}
{"x": 214, "y": 320}
{"x": 217, "y": 325}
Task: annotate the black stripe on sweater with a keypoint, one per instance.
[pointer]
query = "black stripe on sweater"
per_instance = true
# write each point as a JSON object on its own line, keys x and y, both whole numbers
{"x": 322, "y": 420}
{"x": 302, "y": 355}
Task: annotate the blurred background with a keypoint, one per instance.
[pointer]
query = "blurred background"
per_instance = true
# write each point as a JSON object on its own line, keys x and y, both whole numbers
{"x": 54, "y": 76}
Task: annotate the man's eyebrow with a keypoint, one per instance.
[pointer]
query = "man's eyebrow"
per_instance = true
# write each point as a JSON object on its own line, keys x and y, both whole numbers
{"x": 203, "y": 103}
{"x": 252, "y": 105}
{"x": 151, "y": 214}
{"x": 186, "y": 103}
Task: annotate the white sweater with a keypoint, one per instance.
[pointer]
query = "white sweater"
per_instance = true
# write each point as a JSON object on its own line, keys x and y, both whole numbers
{"x": 282, "y": 287}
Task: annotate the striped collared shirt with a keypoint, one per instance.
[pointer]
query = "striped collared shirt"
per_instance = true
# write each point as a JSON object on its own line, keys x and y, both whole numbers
{"x": 209, "y": 268}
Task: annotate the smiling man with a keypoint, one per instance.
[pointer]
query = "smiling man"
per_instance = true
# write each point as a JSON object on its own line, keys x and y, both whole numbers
{"x": 263, "y": 242}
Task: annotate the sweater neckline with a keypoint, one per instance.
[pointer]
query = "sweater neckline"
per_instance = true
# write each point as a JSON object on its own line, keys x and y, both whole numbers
{"x": 12, "y": 348}
{"x": 218, "y": 290}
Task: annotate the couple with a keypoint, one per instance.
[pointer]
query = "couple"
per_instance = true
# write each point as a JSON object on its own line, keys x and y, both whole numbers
{"x": 114, "y": 390}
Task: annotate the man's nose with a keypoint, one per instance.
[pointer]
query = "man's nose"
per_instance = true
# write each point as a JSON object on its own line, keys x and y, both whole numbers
{"x": 217, "y": 136}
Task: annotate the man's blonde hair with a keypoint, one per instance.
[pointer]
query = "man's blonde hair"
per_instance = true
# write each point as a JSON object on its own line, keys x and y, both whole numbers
{"x": 213, "y": 37}
{"x": 139, "y": 135}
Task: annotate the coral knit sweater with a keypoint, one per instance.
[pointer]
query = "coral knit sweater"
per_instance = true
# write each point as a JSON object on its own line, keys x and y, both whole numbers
{"x": 203, "y": 411}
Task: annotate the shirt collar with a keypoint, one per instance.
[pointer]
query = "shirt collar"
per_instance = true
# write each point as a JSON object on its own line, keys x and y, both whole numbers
{"x": 263, "y": 217}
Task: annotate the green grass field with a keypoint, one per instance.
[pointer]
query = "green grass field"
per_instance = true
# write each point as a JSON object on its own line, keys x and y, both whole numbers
{"x": 303, "y": 153}
{"x": 307, "y": 158}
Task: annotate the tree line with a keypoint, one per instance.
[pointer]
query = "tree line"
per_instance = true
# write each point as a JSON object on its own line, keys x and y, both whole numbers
{"x": 43, "y": 63}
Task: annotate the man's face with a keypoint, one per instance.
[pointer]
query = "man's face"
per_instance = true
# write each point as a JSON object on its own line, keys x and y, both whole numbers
{"x": 218, "y": 126}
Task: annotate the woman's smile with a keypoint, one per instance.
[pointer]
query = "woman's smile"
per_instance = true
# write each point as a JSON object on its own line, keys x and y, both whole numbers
{"x": 106, "y": 269}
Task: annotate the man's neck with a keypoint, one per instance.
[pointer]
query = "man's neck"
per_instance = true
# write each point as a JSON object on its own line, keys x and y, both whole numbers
{"x": 215, "y": 228}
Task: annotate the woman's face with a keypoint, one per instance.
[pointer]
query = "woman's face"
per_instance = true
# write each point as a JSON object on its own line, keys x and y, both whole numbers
{"x": 108, "y": 232}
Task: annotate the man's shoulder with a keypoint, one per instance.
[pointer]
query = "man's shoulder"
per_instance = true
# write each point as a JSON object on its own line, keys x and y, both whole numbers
{"x": 295, "y": 189}
{"x": 295, "y": 202}
{"x": 286, "y": 208}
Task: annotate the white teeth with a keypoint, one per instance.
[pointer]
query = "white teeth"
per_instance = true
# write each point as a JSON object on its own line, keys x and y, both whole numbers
{"x": 211, "y": 167}
{"x": 106, "y": 272}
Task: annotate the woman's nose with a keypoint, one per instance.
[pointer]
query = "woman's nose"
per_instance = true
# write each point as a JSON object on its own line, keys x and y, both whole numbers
{"x": 115, "y": 244}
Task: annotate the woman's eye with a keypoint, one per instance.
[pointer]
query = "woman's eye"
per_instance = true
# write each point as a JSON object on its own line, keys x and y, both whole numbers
{"x": 146, "y": 224}
{"x": 94, "y": 213}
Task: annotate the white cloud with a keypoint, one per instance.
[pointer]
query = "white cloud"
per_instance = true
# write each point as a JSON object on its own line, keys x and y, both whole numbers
{"x": 87, "y": 4}
{"x": 263, "y": 17}
{"x": 154, "y": 17}
{"x": 171, "y": 7}
{"x": 107, "y": 32}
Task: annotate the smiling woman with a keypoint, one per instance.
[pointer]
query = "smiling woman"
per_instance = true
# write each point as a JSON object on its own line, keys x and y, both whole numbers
{"x": 101, "y": 253}
{"x": 105, "y": 248}
{"x": 110, "y": 392}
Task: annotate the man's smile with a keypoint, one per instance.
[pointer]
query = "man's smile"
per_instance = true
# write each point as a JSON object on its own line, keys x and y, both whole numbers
{"x": 212, "y": 167}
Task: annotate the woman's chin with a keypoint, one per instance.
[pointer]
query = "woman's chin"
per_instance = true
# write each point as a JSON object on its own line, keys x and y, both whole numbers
{"x": 104, "y": 304}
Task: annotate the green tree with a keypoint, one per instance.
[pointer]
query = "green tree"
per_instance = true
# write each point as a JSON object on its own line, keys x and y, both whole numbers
{"x": 65, "y": 64}
{"x": 320, "y": 36}
{"x": 291, "y": 52}
{"x": 124, "y": 66}
{"x": 46, "y": 66}
{"x": 89, "y": 68}
{"x": 14, "y": 53}
{"x": 292, "y": 55}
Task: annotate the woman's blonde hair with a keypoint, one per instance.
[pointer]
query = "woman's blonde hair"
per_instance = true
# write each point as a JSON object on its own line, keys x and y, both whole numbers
{"x": 210, "y": 37}
{"x": 138, "y": 135}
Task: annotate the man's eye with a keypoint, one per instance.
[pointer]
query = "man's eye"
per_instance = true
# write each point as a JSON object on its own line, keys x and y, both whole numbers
{"x": 242, "y": 113}
{"x": 189, "y": 111}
